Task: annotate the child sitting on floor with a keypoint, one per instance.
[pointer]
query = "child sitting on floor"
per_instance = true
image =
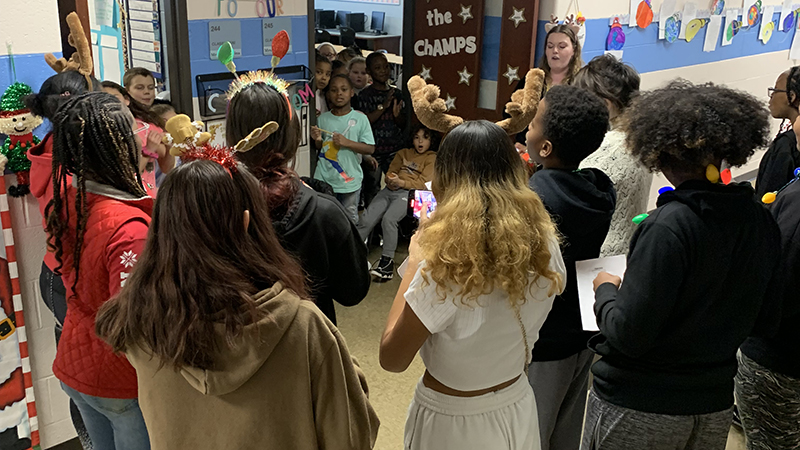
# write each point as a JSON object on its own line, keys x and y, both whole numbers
{"x": 410, "y": 169}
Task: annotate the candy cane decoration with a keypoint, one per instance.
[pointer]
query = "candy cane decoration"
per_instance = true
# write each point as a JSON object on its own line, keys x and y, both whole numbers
{"x": 11, "y": 256}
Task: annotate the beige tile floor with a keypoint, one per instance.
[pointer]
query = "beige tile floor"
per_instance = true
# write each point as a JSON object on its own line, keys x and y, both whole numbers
{"x": 391, "y": 393}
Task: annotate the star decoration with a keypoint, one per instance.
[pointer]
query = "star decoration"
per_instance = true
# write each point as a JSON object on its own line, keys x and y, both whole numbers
{"x": 464, "y": 76}
{"x": 450, "y": 102}
{"x": 466, "y": 13}
{"x": 128, "y": 258}
{"x": 425, "y": 73}
{"x": 512, "y": 74}
{"x": 518, "y": 17}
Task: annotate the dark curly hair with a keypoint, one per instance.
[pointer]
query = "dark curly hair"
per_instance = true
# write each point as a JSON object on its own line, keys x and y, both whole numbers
{"x": 575, "y": 121}
{"x": 793, "y": 86}
{"x": 434, "y": 136}
{"x": 610, "y": 79}
{"x": 685, "y": 127}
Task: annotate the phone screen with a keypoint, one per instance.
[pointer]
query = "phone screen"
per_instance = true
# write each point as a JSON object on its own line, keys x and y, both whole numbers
{"x": 421, "y": 198}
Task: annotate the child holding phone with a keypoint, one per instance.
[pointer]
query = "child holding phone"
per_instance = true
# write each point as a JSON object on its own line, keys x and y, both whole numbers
{"x": 410, "y": 169}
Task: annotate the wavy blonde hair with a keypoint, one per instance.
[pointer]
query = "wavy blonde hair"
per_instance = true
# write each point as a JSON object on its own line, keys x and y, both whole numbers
{"x": 490, "y": 231}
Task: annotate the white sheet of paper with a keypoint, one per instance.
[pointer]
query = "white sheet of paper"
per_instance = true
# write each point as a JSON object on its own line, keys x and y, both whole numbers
{"x": 142, "y": 26}
{"x": 402, "y": 269}
{"x": 104, "y": 12}
{"x": 712, "y": 33}
{"x": 632, "y": 14}
{"x": 96, "y": 59}
{"x": 667, "y": 10}
{"x": 151, "y": 66}
{"x": 794, "y": 51}
{"x": 144, "y": 56}
{"x": 769, "y": 11}
{"x": 143, "y": 35}
{"x": 111, "y": 69}
{"x": 143, "y": 45}
{"x": 585, "y": 273}
{"x": 615, "y": 53}
{"x": 108, "y": 41}
{"x": 731, "y": 15}
{"x": 141, "y": 15}
{"x": 141, "y": 5}
{"x": 689, "y": 13}
{"x": 786, "y": 9}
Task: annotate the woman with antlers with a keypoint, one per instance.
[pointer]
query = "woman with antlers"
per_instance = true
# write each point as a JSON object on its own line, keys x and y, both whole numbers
{"x": 481, "y": 279}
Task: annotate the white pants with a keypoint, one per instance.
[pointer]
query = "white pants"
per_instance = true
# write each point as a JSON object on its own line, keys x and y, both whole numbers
{"x": 500, "y": 420}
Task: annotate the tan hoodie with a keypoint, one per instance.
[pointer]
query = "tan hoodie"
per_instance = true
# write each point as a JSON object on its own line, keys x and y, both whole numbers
{"x": 290, "y": 383}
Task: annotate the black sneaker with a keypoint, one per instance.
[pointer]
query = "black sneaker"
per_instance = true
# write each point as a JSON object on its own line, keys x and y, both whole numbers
{"x": 383, "y": 269}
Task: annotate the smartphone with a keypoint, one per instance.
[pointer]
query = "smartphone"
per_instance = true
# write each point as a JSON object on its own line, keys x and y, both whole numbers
{"x": 419, "y": 199}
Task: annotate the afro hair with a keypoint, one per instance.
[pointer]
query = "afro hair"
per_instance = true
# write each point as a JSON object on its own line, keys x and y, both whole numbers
{"x": 575, "y": 121}
{"x": 686, "y": 127}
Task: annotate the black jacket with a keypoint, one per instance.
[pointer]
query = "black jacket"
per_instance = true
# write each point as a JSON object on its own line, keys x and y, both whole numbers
{"x": 781, "y": 352}
{"x": 778, "y": 164}
{"x": 581, "y": 203}
{"x": 699, "y": 270}
{"x": 318, "y": 232}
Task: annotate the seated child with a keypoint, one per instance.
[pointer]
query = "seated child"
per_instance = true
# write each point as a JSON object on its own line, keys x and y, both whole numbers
{"x": 322, "y": 76}
{"x": 343, "y": 133}
{"x": 410, "y": 169}
{"x": 570, "y": 125}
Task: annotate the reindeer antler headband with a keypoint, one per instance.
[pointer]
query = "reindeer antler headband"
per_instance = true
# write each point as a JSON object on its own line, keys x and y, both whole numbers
{"x": 569, "y": 21}
{"x": 81, "y": 60}
{"x": 430, "y": 109}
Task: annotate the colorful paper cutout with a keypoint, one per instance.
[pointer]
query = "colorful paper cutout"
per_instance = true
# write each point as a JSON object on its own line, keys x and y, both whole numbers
{"x": 693, "y": 28}
{"x": 753, "y": 14}
{"x": 788, "y": 22}
{"x": 616, "y": 36}
{"x": 766, "y": 32}
{"x": 644, "y": 14}
{"x": 672, "y": 28}
{"x": 717, "y": 6}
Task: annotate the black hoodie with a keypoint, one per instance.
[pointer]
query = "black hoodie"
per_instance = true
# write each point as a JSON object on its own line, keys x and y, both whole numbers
{"x": 699, "y": 270}
{"x": 581, "y": 203}
{"x": 778, "y": 164}
{"x": 319, "y": 233}
{"x": 781, "y": 352}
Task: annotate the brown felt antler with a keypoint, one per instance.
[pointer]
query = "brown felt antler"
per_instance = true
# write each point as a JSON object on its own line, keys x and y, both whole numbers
{"x": 430, "y": 109}
{"x": 81, "y": 61}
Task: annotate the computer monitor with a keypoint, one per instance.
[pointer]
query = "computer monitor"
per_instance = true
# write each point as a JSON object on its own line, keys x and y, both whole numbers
{"x": 326, "y": 19}
{"x": 341, "y": 18}
{"x": 356, "y": 22}
{"x": 377, "y": 21}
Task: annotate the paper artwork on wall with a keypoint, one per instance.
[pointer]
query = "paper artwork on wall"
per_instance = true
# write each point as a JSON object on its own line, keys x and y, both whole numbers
{"x": 732, "y": 26}
{"x": 767, "y": 25}
{"x": 712, "y": 33}
{"x": 632, "y": 13}
{"x": 689, "y": 14}
{"x": 789, "y": 22}
{"x": 717, "y": 6}
{"x": 693, "y": 27}
{"x": 786, "y": 12}
{"x": 644, "y": 14}
{"x": 518, "y": 17}
{"x": 666, "y": 12}
{"x": 616, "y": 36}
{"x": 672, "y": 28}
{"x": 751, "y": 13}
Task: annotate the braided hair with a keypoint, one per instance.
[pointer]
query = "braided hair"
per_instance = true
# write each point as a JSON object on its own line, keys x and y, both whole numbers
{"x": 92, "y": 139}
{"x": 793, "y": 86}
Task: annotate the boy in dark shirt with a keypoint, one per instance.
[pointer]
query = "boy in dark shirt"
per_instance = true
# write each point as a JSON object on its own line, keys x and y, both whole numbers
{"x": 570, "y": 125}
{"x": 383, "y": 104}
{"x": 698, "y": 277}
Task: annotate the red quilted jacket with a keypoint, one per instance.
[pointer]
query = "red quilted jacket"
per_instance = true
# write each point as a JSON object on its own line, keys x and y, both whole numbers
{"x": 115, "y": 234}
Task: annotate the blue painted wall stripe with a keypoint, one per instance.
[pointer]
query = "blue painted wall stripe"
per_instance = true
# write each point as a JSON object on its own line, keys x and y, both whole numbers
{"x": 646, "y": 53}
{"x": 252, "y": 47}
{"x": 490, "y": 49}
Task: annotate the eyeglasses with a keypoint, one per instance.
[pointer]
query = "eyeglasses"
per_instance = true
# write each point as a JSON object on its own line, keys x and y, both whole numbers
{"x": 328, "y": 55}
{"x": 145, "y": 126}
{"x": 772, "y": 91}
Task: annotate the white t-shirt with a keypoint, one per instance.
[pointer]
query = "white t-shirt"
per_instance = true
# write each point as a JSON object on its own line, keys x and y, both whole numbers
{"x": 480, "y": 346}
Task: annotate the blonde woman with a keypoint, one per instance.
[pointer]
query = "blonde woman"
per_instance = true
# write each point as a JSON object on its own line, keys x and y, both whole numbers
{"x": 481, "y": 279}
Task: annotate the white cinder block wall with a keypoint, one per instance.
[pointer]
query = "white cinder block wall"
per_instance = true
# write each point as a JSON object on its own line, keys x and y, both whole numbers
{"x": 753, "y": 74}
{"x": 32, "y": 28}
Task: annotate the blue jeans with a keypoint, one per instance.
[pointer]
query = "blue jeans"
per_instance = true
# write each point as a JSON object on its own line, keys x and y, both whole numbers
{"x": 112, "y": 423}
{"x": 350, "y": 204}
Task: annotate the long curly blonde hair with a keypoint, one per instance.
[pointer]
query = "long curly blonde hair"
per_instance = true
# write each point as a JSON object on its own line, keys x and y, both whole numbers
{"x": 490, "y": 231}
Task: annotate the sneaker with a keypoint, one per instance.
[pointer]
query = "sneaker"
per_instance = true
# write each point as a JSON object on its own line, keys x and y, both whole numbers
{"x": 383, "y": 269}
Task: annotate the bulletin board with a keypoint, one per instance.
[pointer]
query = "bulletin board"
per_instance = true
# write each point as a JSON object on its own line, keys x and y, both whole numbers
{"x": 145, "y": 46}
{"x": 106, "y": 40}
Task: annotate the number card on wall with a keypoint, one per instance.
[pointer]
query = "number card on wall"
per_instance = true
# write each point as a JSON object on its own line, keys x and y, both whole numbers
{"x": 222, "y": 31}
{"x": 272, "y": 27}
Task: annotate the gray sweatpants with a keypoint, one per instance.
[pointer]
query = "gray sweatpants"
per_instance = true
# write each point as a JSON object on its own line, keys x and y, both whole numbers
{"x": 560, "y": 388}
{"x": 769, "y": 405}
{"x": 612, "y": 427}
{"x": 389, "y": 207}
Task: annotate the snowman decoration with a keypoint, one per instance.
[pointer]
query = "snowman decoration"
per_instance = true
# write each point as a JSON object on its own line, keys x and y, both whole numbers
{"x": 18, "y": 123}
